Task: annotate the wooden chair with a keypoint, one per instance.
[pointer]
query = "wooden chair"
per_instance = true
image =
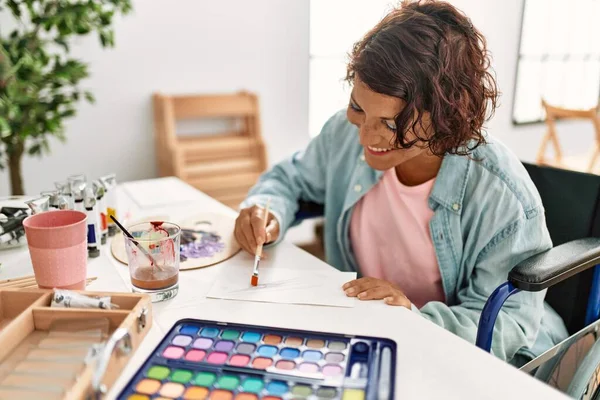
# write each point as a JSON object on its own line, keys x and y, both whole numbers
{"x": 222, "y": 165}
{"x": 556, "y": 113}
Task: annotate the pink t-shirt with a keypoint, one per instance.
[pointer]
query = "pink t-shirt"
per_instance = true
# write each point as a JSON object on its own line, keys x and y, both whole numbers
{"x": 389, "y": 232}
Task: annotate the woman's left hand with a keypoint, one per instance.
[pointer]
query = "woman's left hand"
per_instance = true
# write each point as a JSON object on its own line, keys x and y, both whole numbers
{"x": 376, "y": 289}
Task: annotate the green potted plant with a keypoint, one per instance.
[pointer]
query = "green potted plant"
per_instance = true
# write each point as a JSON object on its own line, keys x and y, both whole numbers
{"x": 39, "y": 82}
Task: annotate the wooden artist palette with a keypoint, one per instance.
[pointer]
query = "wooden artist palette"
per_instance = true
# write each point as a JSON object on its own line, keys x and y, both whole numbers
{"x": 212, "y": 236}
{"x": 46, "y": 353}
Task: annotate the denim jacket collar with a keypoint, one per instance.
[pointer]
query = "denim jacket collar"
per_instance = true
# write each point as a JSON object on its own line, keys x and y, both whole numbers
{"x": 450, "y": 184}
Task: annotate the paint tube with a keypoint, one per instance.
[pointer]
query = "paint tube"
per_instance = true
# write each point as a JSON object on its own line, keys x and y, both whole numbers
{"x": 101, "y": 201}
{"x": 64, "y": 188}
{"x": 14, "y": 237}
{"x": 39, "y": 205}
{"x": 77, "y": 184}
{"x": 78, "y": 190}
{"x": 110, "y": 187}
{"x": 14, "y": 222}
{"x": 53, "y": 195}
{"x": 93, "y": 235}
{"x": 70, "y": 299}
{"x": 63, "y": 203}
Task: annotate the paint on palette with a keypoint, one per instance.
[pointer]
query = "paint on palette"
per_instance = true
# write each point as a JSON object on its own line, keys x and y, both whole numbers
{"x": 226, "y": 361}
{"x": 200, "y": 243}
{"x": 251, "y": 337}
{"x": 195, "y": 355}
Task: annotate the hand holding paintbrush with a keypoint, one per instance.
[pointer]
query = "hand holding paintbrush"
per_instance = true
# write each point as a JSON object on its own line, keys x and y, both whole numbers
{"x": 259, "y": 247}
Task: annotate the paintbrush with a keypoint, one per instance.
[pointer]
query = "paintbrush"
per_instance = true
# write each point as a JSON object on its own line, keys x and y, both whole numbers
{"x": 258, "y": 253}
{"x": 136, "y": 243}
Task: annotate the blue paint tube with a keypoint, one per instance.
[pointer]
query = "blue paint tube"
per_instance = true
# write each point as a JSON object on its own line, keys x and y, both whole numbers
{"x": 93, "y": 234}
{"x": 102, "y": 210}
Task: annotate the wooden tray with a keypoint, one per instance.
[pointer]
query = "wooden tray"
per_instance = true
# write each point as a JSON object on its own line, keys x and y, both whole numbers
{"x": 25, "y": 313}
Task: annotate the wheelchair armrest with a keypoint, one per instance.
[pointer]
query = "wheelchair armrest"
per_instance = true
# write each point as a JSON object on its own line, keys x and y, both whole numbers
{"x": 555, "y": 265}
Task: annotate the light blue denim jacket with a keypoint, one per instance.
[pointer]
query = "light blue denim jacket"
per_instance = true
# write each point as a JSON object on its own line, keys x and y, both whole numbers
{"x": 488, "y": 216}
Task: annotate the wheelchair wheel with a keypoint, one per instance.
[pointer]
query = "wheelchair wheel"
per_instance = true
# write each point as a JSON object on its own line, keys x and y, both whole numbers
{"x": 560, "y": 370}
{"x": 585, "y": 384}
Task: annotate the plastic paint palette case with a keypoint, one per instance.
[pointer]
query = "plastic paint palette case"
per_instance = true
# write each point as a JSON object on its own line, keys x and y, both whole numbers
{"x": 221, "y": 361}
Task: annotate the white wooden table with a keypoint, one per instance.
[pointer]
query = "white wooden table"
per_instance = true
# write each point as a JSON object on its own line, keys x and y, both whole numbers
{"x": 432, "y": 363}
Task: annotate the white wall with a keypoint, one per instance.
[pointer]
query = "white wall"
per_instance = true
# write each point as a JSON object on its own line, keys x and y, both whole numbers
{"x": 500, "y": 22}
{"x": 204, "y": 46}
{"x": 183, "y": 46}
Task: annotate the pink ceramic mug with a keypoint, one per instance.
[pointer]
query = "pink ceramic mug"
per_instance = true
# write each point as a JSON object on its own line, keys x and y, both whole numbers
{"x": 57, "y": 243}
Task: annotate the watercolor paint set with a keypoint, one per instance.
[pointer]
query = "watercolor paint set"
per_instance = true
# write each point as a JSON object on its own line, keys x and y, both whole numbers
{"x": 223, "y": 361}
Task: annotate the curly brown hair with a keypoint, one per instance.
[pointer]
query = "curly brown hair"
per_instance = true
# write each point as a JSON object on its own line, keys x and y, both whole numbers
{"x": 430, "y": 55}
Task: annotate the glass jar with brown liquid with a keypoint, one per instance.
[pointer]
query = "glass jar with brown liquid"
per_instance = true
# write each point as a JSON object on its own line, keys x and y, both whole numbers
{"x": 153, "y": 258}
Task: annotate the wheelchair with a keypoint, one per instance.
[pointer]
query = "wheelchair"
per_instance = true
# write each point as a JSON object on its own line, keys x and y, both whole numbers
{"x": 571, "y": 273}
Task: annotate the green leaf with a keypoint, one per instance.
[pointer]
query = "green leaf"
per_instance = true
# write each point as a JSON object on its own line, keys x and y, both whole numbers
{"x": 35, "y": 149}
{"x": 106, "y": 18}
{"x": 62, "y": 42}
{"x": 67, "y": 113}
{"x": 103, "y": 39}
{"x": 4, "y": 128}
{"x": 89, "y": 97}
{"x": 14, "y": 8}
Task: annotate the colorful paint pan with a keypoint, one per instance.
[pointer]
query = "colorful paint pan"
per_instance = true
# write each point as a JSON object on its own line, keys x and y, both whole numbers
{"x": 289, "y": 353}
{"x": 253, "y": 385}
{"x": 251, "y": 337}
{"x": 239, "y": 360}
{"x": 267, "y": 351}
{"x": 230, "y": 334}
{"x": 173, "y": 352}
{"x": 191, "y": 330}
{"x": 205, "y": 379}
{"x": 195, "y": 355}
{"x": 272, "y": 339}
{"x": 245, "y": 348}
{"x": 210, "y": 332}
{"x": 217, "y": 357}
{"x": 218, "y": 361}
{"x": 182, "y": 340}
{"x": 196, "y": 393}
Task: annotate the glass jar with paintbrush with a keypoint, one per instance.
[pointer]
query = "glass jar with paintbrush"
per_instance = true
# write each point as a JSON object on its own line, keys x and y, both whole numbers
{"x": 153, "y": 258}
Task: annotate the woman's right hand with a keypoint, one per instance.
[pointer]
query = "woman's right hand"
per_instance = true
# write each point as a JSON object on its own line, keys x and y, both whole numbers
{"x": 250, "y": 228}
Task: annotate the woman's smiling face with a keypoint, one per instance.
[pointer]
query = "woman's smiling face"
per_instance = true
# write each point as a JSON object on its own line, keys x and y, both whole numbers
{"x": 374, "y": 113}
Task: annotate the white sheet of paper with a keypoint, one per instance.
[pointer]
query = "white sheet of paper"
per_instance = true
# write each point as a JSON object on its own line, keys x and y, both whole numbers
{"x": 281, "y": 285}
{"x": 168, "y": 191}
